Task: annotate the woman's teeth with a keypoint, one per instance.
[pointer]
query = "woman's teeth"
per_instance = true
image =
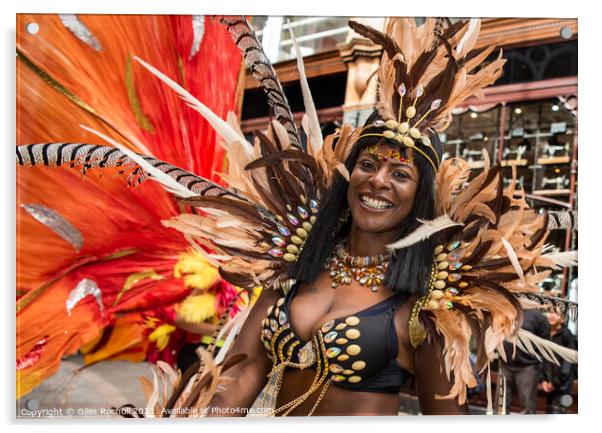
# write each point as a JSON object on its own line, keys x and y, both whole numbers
{"x": 375, "y": 204}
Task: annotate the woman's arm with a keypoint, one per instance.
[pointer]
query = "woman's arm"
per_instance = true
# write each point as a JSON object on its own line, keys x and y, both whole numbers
{"x": 431, "y": 380}
{"x": 202, "y": 328}
{"x": 250, "y": 375}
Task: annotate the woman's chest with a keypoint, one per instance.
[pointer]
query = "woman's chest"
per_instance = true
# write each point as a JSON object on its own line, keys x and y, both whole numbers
{"x": 347, "y": 347}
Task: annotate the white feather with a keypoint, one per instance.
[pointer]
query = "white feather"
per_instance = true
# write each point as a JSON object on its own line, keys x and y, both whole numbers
{"x": 563, "y": 259}
{"x": 239, "y": 321}
{"x": 513, "y": 259}
{"x": 229, "y": 134}
{"x": 538, "y": 347}
{"x": 312, "y": 125}
{"x": 469, "y": 37}
{"x": 157, "y": 175}
{"x": 426, "y": 230}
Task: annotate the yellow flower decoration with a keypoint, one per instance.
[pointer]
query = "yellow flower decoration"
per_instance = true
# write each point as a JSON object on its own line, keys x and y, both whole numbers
{"x": 201, "y": 274}
{"x": 198, "y": 308}
{"x": 160, "y": 336}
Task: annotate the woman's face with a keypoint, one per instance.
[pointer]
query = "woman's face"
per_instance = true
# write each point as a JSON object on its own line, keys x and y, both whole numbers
{"x": 381, "y": 190}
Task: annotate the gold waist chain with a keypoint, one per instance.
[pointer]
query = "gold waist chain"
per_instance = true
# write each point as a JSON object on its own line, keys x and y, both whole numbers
{"x": 276, "y": 376}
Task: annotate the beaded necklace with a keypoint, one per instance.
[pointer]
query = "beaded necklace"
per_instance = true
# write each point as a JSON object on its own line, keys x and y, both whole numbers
{"x": 369, "y": 271}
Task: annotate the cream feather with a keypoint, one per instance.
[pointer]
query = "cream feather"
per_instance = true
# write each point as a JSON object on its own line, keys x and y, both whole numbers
{"x": 540, "y": 347}
{"x": 513, "y": 259}
{"x": 221, "y": 127}
{"x": 425, "y": 231}
{"x": 312, "y": 125}
{"x": 563, "y": 259}
{"x": 469, "y": 38}
{"x": 237, "y": 323}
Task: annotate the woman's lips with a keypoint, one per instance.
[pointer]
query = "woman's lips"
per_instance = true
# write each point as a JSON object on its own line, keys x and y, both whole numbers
{"x": 374, "y": 204}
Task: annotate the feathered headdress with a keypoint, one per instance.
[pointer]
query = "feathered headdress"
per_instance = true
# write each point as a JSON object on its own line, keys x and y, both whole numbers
{"x": 425, "y": 72}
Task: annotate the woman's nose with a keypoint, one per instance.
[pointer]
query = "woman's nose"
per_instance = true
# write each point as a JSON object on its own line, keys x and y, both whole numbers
{"x": 380, "y": 179}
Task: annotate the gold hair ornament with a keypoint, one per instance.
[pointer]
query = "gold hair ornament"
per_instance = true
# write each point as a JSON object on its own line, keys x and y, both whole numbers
{"x": 405, "y": 133}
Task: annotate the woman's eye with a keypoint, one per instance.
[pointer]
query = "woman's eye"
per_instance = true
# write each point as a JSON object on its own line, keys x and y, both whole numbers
{"x": 400, "y": 174}
{"x": 366, "y": 164}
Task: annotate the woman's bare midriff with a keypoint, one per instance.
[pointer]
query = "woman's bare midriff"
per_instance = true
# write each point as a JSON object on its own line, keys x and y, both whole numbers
{"x": 336, "y": 401}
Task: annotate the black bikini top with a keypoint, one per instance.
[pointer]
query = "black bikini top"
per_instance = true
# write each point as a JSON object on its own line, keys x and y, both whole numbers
{"x": 356, "y": 352}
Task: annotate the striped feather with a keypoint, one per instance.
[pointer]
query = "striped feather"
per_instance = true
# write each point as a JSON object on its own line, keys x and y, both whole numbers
{"x": 95, "y": 156}
{"x": 560, "y": 306}
{"x": 262, "y": 70}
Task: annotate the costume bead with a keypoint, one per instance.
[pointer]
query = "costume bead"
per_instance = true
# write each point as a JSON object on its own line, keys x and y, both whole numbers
{"x": 414, "y": 133}
{"x": 432, "y": 304}
{"x": 278, "y": 241}
{"x": 288, "y": 257}
{"x": 282, "y": 318}
{"x": 332, "y": 352}
{"x": 328, "y": 338}
{"x": 327, "y": 326}
{"x": 352, "y": 321}
{"x": 454, "y": 277}
{"x": 293, "y": 249}
{"x": 301, "y": 233}
{"x": 410, "y": 112}
{"x": 439, "y": 284}
{"x": 391, "y": 124}
{"x": 358, "y": 365}
{"x": 442, "y": 275}
{"x": 353, "y": 350}
{"x": 436, "y": 294}
{"x": 284, "y": 231}
{"x": 407, "y": 141}
{"x": 341, "y": 341}
{"x": 275, "y": 252}
{"x": 343, "y": 357}
{"x": 354, "y": 379}
{"x": 302, "y": 212}
{"x": 335, "y": 368}
{"x": 455, "y": 266}
{"x": 340, "y": 326}
{"x": 352, "y": 334}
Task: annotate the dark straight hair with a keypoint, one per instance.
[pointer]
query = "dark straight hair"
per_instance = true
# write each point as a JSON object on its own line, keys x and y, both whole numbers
{"x": 409, "y": 268}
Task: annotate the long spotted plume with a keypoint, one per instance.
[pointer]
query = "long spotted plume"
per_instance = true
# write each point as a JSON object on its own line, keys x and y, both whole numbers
{"x": 88, "y": 156}
{"x": 559, "y": 305}
{"x": 262, "y": 70}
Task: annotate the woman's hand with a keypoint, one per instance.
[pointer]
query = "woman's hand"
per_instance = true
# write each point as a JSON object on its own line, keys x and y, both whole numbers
{"x": 250, "y": 375}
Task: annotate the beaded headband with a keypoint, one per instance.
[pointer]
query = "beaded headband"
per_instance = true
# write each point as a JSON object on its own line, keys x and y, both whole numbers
{"x": 403, "y": 132}
{"x": 391, "y": 154}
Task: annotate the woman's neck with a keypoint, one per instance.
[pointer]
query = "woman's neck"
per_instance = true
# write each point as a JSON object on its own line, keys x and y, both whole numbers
{"x": 361, "y": 243}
